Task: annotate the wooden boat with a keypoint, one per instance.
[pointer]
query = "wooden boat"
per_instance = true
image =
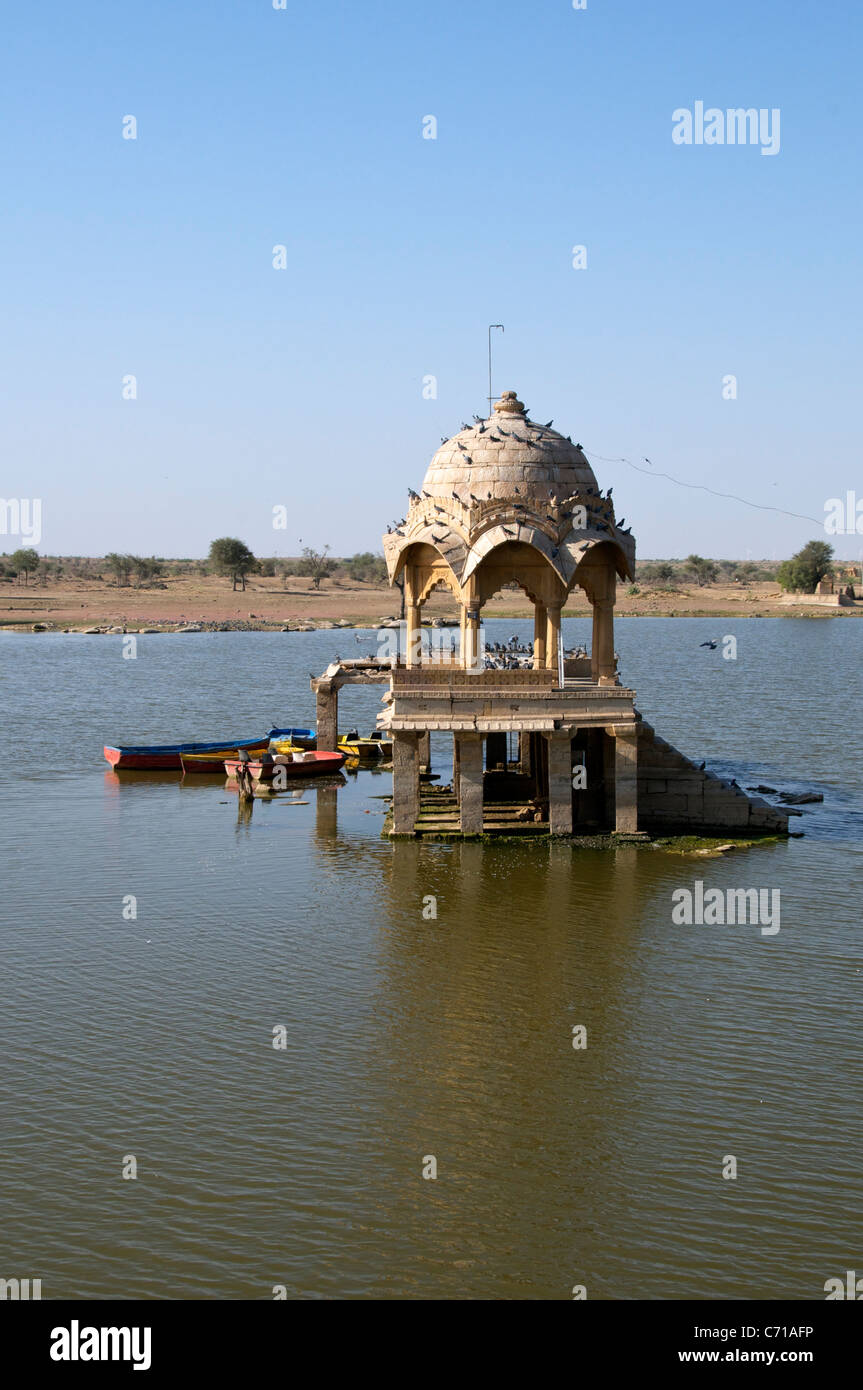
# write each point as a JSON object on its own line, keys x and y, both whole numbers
{"x": 215, "y": 762}
{"x": 385, "y": 740}
{"x": 366, "y": 750}
{"x": 306, "y": 764}
{"x": 166, "y": 757}
{"x": 290, "y": 745}
{"x": 299, "y": 738}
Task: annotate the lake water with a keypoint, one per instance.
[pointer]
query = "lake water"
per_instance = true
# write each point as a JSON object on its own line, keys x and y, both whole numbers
{"x": 407, "y": 1037}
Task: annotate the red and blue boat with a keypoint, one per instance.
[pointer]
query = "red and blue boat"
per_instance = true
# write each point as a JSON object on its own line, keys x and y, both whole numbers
{"x": 167, "y": 757}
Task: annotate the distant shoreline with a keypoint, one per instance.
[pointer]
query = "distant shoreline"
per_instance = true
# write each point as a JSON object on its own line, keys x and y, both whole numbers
{"x": 269, "y": 606}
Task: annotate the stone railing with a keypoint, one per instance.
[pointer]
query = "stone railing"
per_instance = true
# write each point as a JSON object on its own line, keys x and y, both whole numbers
{"x": 436, "y": 677}
{"x": 577, "y": 667}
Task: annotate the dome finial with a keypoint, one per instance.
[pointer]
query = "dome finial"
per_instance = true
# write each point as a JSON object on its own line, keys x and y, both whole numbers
{"x": 509, "y": 404}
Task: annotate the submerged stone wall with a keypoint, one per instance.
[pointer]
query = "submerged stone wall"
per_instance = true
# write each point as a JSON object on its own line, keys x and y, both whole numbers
{"x": 675, "y": 795}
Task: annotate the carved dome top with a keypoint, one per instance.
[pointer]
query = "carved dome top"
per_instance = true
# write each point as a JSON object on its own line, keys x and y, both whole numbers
{"x": 508, "y": 455}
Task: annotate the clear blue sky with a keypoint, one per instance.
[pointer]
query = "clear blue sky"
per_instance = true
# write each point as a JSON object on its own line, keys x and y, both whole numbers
{"x": 259, "y": 387}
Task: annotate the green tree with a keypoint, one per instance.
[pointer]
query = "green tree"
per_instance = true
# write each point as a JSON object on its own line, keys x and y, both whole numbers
{"x": 747, "y": 571}
{"x": 803, "y": 572}
{"x": 660, "y": 572}
{"x": 366, "y": 568}
{"x": 316, "y": 564}
{"x": 25, "y": 562}
{"x": 232, "y": 557}
{"x": 705, "y": 571}
{"x": 144, "y": 569}
{"x": 120, "y": 566}
{"x": 267, "y": 568}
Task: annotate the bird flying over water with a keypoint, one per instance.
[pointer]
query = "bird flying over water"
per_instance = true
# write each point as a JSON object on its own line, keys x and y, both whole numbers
{"x": 712, "y": 644}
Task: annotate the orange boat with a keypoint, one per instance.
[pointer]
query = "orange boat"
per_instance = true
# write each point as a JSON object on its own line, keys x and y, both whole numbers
{"x": 288, "y": 765}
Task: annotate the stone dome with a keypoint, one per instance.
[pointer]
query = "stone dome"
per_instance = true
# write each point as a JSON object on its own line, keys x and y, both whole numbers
{"x": 508, "y": 455}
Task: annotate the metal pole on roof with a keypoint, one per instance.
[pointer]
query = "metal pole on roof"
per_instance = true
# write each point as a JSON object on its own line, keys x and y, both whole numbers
{"x": 490, "y": 396}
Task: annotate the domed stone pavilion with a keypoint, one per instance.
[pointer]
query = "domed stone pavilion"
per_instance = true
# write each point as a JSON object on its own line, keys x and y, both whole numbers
{"x": 543, "y": 742}
{"x": 504, "y": 501}
{"x": 510, "y": 501}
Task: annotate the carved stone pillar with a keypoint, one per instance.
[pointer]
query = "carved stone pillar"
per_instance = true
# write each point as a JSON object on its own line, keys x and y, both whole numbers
{"x": 413, "y": 635}
{"x": 559, "y": 782}
{"x": 470, "y": 783}
{"x": 524, "y": 763}
{"x": 603, "y": 667}
{"x": 327, "y": 718}
{"x": 552, "y": 634}
{"x": 406, "y": 782}
{"x": 424, "y": 749}
{"x": 540, "y": 623}
{"x": 471, "y": 653}
{"x": 626, "y": 781}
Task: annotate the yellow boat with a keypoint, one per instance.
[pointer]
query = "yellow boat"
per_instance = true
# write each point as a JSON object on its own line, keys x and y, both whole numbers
{"x": 215, "y": 761}
{"x": 284, "y": 746}
{"x": 365, "y": 750}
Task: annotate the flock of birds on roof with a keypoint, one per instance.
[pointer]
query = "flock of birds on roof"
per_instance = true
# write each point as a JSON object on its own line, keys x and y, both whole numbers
{"x": 497, "y": 433}
{"x": 598, "y": 522}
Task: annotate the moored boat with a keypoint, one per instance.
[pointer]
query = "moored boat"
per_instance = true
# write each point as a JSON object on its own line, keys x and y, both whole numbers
{"x": 167, "y": 757}
{"x": 215, "y": 761}
{"x": 303, "y": 764}
{"x": 293, "y": 741}
{"x": 299, "y": 738}
{"x": 365, "y": 750}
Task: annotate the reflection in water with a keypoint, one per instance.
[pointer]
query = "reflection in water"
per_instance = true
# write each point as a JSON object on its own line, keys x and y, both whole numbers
{"x": 326, "y": 812}
{"x": 448, "y": 1033}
